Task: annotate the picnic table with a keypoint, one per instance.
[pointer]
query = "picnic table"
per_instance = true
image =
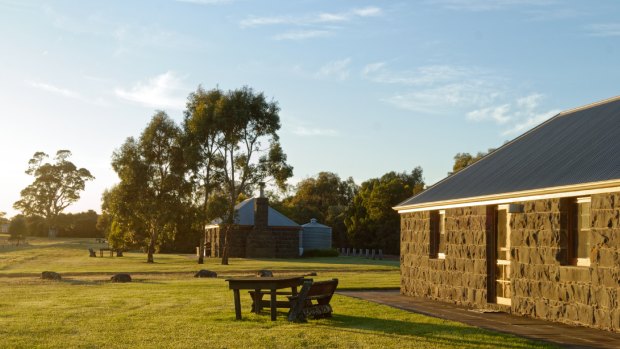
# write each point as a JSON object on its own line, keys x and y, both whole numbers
{"x": 258, "y": 284}
{"x": 106, "y": 249}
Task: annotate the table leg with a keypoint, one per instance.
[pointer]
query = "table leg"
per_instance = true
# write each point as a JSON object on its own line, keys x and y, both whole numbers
{"x": 273, "y": 304}
{"x": 237, "y": 304}
{"x": 256, "y": 300}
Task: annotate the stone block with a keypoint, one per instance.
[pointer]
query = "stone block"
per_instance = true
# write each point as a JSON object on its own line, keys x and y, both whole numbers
{"x": 605, "y": 219}
{"x": 605, "y": 257}
{"x": 585, "y": 314}
{"x": 574, "y": 274}
{"x": 615, "y": 319}
{"x": 541, "y": 308}
{"x": 571, "y": 312}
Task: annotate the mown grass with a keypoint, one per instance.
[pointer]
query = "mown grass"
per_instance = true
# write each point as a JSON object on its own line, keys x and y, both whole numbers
{"x": 167, "y": 311}
{"x": 174, "y": 310}
{"x": 67, "y": 256}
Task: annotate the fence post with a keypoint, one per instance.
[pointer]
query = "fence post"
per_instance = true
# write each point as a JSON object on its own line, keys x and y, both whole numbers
{"x": 373, "y": 253}
{"x": 380, "y": 254}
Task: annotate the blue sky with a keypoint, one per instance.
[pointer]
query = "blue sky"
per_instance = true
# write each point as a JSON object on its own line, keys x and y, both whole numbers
{"x": 365, "y": 87}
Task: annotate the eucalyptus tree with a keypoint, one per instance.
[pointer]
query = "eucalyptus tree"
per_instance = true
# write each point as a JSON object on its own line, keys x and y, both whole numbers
{"x": 249, "y": 148}
{"x": 201, "y": 142}
{"x": 55, "y": 187}
{"x": 151, "y": 180}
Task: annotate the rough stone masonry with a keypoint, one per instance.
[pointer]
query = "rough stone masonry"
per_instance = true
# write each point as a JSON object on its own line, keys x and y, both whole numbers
{"x": 542, "y": 286}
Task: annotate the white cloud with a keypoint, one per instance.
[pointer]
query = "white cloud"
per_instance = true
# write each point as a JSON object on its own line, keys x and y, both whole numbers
{"x": 368, "y": 11}
{"x": 487, "y": 5}
{"x": 498, "y": 114}
{"x": 337, "y": 69}
{"x": 530, "y": 122}
{"x": 314, "y": 132}
{"x": 604, "y": 29}
{"x": 65, "y": 92}
{"x": 435, "y": 89}
{"x": 444, "y": 98}
{"x": 331, "y": 17}
{"x": 302, "y": 34}
{"x": 162, "y": 91}
{"x": 304, "y": 20}
{"x": 55, "y": 89}
{"x": 521, "y": 115}
{"x": 426, "y": 75}
{"x": 206, "y": 2}
{"x": 261, "y": 21}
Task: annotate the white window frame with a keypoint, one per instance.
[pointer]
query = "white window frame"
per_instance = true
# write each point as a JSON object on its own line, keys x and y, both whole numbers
{"x": 442, "y": 226}
{"x": 582, "y": 262}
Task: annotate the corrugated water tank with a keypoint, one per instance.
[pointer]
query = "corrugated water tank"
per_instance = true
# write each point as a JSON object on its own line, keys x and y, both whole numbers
{"x": 316, "y": 236}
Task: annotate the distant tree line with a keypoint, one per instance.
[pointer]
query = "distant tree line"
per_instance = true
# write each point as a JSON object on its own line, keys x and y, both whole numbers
{"x": 79, "y": 225}
{"x": 360, "y": 216}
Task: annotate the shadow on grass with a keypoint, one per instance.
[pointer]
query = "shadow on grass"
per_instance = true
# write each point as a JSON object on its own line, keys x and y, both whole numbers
{"x": 457, "y": 336}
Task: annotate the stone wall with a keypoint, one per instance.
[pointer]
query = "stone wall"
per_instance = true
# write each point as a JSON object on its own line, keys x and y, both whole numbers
{"x": 237, "y": 241}
{"x": 286, "y": 242}
{"x": 542, "y": 285}
{"x": 461, "y": 276}
{"x": 245, "y": 242}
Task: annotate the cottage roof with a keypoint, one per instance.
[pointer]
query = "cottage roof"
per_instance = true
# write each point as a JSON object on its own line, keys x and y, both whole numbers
{"x": 577, "y": 146}
{"x": 245, "y": 215}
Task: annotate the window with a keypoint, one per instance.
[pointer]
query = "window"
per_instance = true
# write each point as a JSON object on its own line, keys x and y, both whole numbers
{"x": 581, "y": 233}
{"x": 575, "y": 226}
{"x": 438, "y": 234}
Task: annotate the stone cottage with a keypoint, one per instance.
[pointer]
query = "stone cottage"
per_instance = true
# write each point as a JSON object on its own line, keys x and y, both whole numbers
{"x": 259, "y": 232}
{"x": 533, "y": 228}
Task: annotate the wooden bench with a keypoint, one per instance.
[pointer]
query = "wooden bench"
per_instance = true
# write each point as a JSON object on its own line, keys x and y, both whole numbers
{"x": 258, "y": 303}
{"x": 106, "y": 249}
{"x": 312, "y": 301}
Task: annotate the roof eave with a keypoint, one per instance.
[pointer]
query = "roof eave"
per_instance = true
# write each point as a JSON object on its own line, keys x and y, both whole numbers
{"x": 525, "y": 195}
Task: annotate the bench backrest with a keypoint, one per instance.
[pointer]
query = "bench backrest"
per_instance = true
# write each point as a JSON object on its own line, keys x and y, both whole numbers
{"x": 323, "y": 291}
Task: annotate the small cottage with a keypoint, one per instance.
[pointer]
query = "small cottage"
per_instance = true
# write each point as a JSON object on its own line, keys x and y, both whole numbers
{"x": 259, "y": 232}
{"x": 533, "y": 228}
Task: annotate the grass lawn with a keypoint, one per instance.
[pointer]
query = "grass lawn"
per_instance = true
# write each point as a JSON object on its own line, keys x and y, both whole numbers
{"x": 173, "y": 309}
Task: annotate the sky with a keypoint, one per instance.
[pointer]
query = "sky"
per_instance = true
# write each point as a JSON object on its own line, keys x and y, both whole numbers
{"x": 364, "y": 87}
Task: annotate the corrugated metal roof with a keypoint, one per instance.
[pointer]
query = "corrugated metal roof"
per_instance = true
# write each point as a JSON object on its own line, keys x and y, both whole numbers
{"x": 574, "y": 147}
{"x": 245, "y": 215}
{"x": 314, "y": 224}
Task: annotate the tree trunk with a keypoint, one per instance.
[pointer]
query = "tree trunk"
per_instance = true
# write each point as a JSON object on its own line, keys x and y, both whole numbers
{"x": 225, "y": 247}
{"x": 151, "y": 248}
{"x": 201, "y": 252}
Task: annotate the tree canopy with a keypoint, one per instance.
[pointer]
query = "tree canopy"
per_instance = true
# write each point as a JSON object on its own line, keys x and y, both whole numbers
{"x": 370, "y": 220}
{"x": 56, "y": 186}
{"x": 462, "y": 160}
{"x": 325, "y": 197}
{"x": 249, "y": 147}
{"x": 151, "y": 182}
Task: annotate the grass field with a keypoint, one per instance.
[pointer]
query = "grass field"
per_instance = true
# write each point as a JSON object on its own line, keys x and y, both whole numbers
{"x": 165, "y": 307}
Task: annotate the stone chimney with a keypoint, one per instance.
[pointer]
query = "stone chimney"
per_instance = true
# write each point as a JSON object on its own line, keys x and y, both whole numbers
{"x": 261, "y": 209}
